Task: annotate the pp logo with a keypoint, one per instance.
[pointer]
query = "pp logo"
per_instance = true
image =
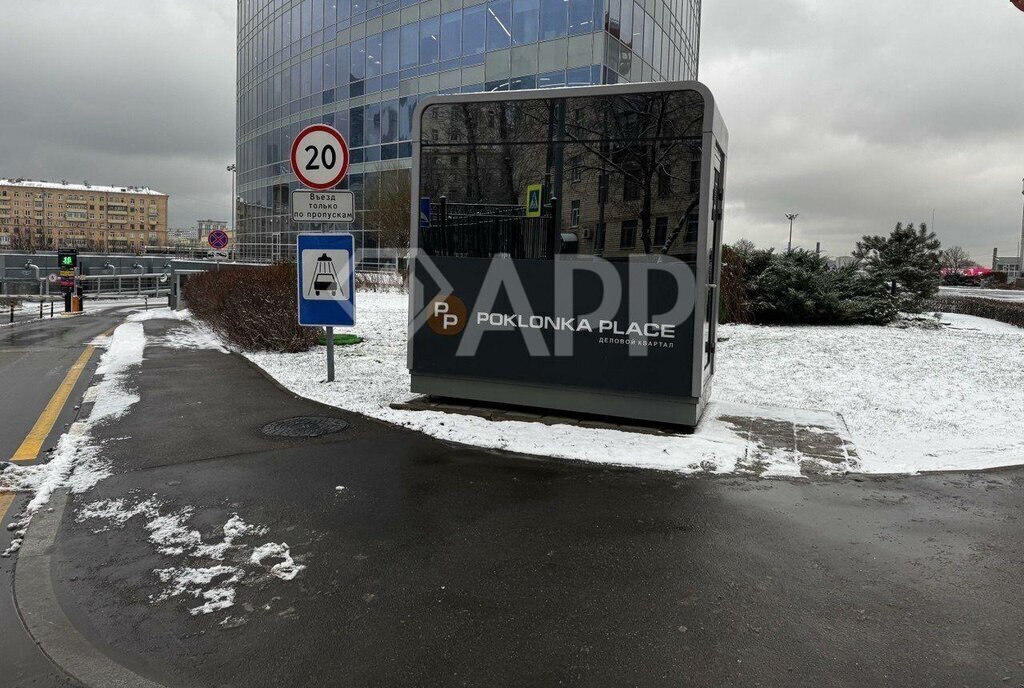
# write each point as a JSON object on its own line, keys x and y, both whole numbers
{"x": 447, "y": 315}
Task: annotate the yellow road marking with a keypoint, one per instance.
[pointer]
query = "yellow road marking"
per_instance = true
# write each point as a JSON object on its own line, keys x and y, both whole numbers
{"x": 29, "y": 449}
{"x": 6, "y": 499}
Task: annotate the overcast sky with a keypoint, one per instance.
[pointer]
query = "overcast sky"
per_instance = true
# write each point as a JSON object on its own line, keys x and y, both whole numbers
{"x": 853, "y": 114}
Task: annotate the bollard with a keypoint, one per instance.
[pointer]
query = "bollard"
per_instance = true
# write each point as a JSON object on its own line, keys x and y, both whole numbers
{"x": 40, "y": 310}
{"x": 12, "y": 311}
{"x": 51, "y": 309}
{"x": 147, "y": 302}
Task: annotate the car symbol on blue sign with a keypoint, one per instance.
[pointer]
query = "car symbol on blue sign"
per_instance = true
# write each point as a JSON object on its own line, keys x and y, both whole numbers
{"x": 326, "y": 283}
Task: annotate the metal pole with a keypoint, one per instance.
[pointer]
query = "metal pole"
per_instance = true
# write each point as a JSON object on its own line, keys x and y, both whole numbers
{"x": 51, "y": 309}
{"x": 12, "y": 311}
{"x": 1020, "y": 250}
{"x": 791, "y": 217}
{"x": 40, "y": 310}
{"x": 330, "y": 354}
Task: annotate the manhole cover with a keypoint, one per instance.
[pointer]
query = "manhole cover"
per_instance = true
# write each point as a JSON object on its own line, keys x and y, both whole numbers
{"x": 304, "y": 426}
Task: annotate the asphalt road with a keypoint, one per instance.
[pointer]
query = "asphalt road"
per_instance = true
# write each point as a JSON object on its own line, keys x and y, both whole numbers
{"x": 445, "y": 565}
{"x": 34, "y": 360}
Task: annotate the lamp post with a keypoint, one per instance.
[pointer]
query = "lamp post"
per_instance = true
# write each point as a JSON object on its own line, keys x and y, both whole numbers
{"x": 791, "y": 217}
{"x": 1020, "y": 248}
{"x": 233, "y": 169}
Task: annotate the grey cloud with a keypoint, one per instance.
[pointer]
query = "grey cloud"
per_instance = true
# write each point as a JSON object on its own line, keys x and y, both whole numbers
{"x": 122, "y": 92}
{"x": 871, "y": 113}
{"x": 855, "y": 115}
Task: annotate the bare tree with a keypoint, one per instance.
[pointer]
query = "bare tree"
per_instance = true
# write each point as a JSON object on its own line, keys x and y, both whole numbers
{"x": 956, "y": 258}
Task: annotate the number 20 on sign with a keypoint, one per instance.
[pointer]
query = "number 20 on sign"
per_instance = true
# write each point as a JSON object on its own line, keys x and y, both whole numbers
{"x": 320, "y": 157}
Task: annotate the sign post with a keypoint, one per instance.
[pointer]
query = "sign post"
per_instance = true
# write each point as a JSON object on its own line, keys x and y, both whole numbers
{"x": 326, "y": 262}
{"x": 67, "y": 264}
{"x": 218, "y": 241}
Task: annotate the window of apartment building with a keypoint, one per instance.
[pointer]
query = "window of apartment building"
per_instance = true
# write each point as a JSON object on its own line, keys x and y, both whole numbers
{"x": 576, "y": 168}
{"x": 660, "y": 231}
{"x": 627, "y": 238}
{"x": 630, "y": 185}
{"x": 574, "y": 214}
{"x": 664, "y": 181}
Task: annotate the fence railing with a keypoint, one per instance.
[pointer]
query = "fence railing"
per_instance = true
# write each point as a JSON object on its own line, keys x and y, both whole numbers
{"x": 477, "y": 231}
{"x": 151, "y": 284}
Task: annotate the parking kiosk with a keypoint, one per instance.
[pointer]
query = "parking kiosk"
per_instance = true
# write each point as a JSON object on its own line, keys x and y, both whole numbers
{"x": 567, "y": 249}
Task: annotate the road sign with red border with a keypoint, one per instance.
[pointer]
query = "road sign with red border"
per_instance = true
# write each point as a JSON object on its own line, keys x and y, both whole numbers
{"x": 217, "y": 239}
{"x": 320, "y": 157}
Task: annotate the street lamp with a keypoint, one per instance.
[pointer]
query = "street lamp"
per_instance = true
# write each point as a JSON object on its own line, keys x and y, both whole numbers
{"x": 233, "y": 169}
{"x": 1020, "y": 249}
{"x": 791, "y": 217}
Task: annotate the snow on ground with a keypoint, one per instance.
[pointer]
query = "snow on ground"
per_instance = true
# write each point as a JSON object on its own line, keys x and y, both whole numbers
{"x": 76, "y": 462}
{"x": 956, "y": 321}
{"x": 163, "y": 313}
{"x": 203, "y": 575}
{"x": 914, "y": 399}
{"x": 191, "y": 335}
{"x": 207, "y": 570}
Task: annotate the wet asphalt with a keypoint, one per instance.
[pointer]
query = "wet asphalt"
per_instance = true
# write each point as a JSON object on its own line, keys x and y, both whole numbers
{"x": 34, "y": 358}
{"x": 442, "y": 565}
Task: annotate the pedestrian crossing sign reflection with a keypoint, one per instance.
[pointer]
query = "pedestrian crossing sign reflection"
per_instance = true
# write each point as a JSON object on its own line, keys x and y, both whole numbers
{"x": 533, "y": 200}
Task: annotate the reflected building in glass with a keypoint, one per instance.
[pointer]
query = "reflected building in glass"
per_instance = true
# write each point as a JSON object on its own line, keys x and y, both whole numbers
{"x": 362, "y": 66}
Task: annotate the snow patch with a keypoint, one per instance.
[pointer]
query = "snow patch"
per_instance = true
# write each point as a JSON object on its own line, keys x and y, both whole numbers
{"x": 286, "y": 569}
{"x": 204, "y": 576}
{"x": 972, "y": 323}
{"x": 914, "y": 399}
{"x": 196, "y": 582}
{"x": 76, "y": 462}
{"x": 194, "y": 336}
{"x": 160, "y": 314}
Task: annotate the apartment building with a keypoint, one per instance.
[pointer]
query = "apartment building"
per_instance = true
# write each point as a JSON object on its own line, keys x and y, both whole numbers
{"x": 41, "y": 215}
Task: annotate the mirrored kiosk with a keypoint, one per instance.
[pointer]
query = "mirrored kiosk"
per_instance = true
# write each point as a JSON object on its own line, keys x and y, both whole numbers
{"x": 567, "y": 249}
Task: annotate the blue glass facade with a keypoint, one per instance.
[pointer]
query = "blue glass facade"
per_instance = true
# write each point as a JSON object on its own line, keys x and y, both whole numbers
{"x": 362, "y": 65}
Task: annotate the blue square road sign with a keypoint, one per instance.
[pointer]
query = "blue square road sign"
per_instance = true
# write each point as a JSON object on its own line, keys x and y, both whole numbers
{"x": 327, "y": 289}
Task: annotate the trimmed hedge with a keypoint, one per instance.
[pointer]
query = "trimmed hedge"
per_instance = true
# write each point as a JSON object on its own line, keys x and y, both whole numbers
{"x": 252, "y": 307}
{"x": 1009, "y": 312}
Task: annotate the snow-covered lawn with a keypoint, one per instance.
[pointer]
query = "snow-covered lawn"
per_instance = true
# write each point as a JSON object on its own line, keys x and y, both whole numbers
{"x": 914, "y": 399}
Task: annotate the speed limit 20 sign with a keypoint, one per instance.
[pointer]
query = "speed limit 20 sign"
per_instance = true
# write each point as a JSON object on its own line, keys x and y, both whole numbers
{"x": 320, "y": 156}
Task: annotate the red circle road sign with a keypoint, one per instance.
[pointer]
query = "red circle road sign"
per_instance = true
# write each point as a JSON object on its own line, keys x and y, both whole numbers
{"x": 1019, "y": 4}
{"x": 217, "y": 239}
{"x": 320, "y": 156}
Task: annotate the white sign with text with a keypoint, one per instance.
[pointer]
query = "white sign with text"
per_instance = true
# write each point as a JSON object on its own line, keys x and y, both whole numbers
{"x": 323, "y": 206}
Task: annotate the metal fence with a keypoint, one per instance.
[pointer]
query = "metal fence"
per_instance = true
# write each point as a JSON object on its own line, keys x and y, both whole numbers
{"x": 149, "y": 284}
{"x": 482, "y": 231}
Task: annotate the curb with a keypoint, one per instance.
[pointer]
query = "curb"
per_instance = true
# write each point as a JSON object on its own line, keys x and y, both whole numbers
{"x": 43, "y": 617}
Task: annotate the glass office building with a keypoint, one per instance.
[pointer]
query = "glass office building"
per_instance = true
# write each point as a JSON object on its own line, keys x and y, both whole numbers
{"x": 362, "y": 65}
